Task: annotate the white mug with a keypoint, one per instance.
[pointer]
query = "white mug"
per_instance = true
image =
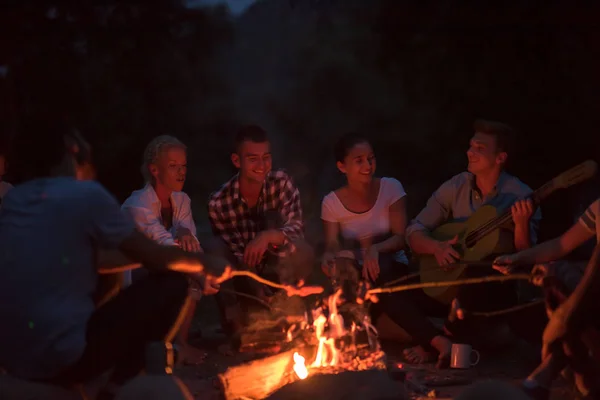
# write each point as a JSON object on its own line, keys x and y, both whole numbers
{"x": 461, "y": 356}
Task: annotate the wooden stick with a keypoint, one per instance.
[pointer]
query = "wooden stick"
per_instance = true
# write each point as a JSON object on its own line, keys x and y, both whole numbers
{"x": 402, "y": 279}
{"x": 302, "y": 291}
{"x": 456, "y": 264}
{"x": 230, "y": 274}
{"x": 507, "y": 310}
{"x": 469, "y": 281}
{"x": 249, "y": 296}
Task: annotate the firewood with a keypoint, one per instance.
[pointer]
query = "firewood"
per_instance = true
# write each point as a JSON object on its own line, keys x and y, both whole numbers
{"x": 259, "y": 378}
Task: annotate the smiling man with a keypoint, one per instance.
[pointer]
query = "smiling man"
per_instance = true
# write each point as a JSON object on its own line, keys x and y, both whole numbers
{"x": 257, "y": 219}
{"x": 484, "y": 182}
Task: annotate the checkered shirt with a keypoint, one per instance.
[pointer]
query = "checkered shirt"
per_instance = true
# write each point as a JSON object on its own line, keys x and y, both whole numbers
{"x": 237, "y": 224}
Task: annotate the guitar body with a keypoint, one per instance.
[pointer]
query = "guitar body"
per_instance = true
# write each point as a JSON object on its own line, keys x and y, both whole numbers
{"x": 498, "y": 241}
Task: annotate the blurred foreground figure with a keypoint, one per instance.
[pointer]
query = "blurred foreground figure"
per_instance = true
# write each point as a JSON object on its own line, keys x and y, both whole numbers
{"x": 4, "y": 186}
{"x": 53, "y": 228}
{"x": 572, "y": 336}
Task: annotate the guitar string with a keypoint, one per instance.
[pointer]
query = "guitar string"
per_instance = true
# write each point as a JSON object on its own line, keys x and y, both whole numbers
{"x": 487, "y": 227}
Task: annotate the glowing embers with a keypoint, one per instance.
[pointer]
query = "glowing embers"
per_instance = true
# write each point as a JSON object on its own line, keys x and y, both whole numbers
{"x": 299, "y": 366}
{"x": 337, "y": 349}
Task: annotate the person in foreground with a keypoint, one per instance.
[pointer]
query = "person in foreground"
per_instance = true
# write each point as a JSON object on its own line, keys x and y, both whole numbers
{"x": 162, "y": 211}
{"x": 4, "y": 186}
{"x": 52, "y": 229}
{"x": 369, "y": 214}
{"x": 484, "y": 182}
{"x": 256, "y": 218}
{"x": 578, "y": 311}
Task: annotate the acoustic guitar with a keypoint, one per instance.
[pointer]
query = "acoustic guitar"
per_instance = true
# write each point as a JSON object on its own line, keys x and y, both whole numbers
{"x": 487, "y": 232}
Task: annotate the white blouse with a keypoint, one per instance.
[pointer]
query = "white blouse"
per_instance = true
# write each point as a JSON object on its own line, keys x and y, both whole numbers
{"x": 366, "y": 225}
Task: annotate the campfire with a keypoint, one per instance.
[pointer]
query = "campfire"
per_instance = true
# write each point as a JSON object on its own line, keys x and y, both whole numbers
{"x": 326, "y": 342}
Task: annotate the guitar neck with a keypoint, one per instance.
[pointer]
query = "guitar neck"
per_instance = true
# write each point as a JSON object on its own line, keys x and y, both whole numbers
{"x": 537, "y": 197}
{"x": 543, "y": 192}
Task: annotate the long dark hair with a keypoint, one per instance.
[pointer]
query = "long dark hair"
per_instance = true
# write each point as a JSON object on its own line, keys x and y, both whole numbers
{"x": 346, "y": 143}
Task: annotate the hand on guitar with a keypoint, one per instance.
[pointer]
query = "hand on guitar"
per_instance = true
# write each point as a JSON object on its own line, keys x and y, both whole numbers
{"x": 522, "y": 211}
{"x": 446, "y": 254}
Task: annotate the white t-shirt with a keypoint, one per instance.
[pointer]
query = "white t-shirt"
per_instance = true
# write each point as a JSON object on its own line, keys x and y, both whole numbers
{"x": 372, "y": 223}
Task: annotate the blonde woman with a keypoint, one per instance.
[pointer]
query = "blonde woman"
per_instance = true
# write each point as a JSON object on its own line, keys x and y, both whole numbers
{"x": 163, "y": 213}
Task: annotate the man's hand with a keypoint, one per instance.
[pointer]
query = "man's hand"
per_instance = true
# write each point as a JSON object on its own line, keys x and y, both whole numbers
{"x": 446, "y": 254}
{"x": 371, "y": 264}
{"x": 255, "y": 250}
{"x": 522, "y": 211}
{"x": 187, "y": 241}
{"x": 210, "y": 286}
{"x": 208, "y": 283}
{"x": 504, "y": 264}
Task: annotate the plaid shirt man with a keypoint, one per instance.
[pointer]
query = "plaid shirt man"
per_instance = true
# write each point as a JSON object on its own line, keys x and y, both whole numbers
{"x": 237, "y": 224}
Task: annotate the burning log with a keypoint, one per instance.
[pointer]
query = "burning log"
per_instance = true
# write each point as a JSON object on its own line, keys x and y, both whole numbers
{"x": 260, "y": 378}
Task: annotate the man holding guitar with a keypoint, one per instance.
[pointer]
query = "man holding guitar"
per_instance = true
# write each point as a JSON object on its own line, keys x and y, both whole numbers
{"x": 485, "y": 183}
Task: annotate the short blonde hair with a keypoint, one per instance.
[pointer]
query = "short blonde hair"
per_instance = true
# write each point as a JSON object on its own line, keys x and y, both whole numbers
{"x": 153, "y": 150}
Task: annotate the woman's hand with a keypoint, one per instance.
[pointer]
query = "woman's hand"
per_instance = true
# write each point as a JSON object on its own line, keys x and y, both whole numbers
{"x": 370, "y": 268}
{"x": 328, "y": 264}
{"x": 187, "y": 241}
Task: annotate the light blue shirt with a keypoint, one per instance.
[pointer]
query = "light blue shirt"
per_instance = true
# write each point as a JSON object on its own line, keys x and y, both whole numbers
{"x": 50, "y": 230}
{"x": 458, "y": 198}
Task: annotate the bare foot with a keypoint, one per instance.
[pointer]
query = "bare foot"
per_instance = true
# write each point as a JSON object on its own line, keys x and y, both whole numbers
{"x": 444, "y": 347}
{"x": 417, "y": 355}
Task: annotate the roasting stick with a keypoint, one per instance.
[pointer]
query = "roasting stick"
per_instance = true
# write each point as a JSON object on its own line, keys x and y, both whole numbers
{"x": 468, "y": 281}
{"x": 417, "y": 274}
{"x": 301, "y": 291}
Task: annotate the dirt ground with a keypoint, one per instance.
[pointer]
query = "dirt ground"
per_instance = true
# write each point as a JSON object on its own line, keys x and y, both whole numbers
{"x": 510, "y": 364}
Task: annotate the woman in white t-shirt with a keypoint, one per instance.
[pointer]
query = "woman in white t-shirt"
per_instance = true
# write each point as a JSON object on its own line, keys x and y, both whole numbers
{"x": 369, "y": 214}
